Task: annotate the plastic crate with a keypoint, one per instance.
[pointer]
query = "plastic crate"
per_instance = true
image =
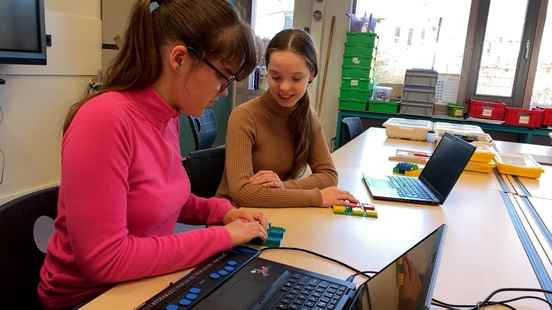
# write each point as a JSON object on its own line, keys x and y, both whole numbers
{"x": 402, "y": 128}
{"x": 361, "y": 38}
{"x": 356, "y": 59}
{"x": 356, "y": 83}
{"x": 357, "y": 71}
{"x": 352, "y": 104}
{"x": 547, "y": 117}
{"x": 419, "y": 94}
{"x": 471, "y": 132}
{"x": 440, "y": 109}
{"x": 377, "y": 106}
{"x": 414, "y": 108}
{"x": 455, "y": 110}
{"x": 522, "y": 165}
{"x": 356, "y": 94}
{"x": 421, "y": 77}
{"x": 523, "y": 117}
{"x": 487, "y": 109}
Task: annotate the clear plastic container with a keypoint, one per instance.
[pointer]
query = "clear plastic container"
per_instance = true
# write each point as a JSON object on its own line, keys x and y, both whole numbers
{"x": 412, "y": 129}
{"x": 464, "y": 130}
{"x": 522, "y": 165}
{"x": 382, "y": 93}
{"x": 416, "y": 108}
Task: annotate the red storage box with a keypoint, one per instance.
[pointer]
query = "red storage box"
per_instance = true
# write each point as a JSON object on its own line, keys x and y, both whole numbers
{"x": 487, "y": 109}
{"x": 547, "y": 119}
{"x": 524, "y": 117}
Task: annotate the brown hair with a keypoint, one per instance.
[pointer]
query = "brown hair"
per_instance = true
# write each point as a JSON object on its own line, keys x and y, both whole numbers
{"x": 212, "y": 28}
{"x": 300, "y": 120}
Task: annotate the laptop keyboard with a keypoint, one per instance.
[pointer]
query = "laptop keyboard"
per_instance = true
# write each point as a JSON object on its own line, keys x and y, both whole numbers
{"x": 408, "y": 187}
{"x": 305, "y": 292}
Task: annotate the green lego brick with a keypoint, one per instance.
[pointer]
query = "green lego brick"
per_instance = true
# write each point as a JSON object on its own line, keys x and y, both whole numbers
{"x": 275, "y": 236}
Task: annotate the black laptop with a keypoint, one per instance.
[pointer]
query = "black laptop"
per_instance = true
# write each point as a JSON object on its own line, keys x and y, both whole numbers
{"x": 436, "y": 180}
{"x": 406, "y": 283}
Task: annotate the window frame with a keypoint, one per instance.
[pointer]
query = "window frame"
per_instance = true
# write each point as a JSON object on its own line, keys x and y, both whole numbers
{"x": 522, "y": 91}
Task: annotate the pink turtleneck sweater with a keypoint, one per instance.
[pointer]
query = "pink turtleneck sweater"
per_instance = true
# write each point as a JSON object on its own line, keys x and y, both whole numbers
{"x": 122, "y": 190}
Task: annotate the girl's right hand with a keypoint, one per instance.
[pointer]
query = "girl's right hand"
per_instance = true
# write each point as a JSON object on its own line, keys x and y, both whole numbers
{"x": 242, "y": 231}
{"x": 334, "y": 196}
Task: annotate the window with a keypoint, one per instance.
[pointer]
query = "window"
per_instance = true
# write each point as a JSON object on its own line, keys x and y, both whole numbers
{"x": 542, "y": 89}
{"x": 434, "y": 35}
{"x": 503, "y": 35}
{"x": 269, "y": 18}
{"x": 504, "y": 38}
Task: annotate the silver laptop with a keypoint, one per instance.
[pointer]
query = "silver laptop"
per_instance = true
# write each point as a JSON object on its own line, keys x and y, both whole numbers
{"x": 436, "y": 180}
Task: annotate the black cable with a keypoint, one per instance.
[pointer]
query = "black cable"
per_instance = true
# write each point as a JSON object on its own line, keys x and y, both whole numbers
{"x": 313, "y": 253}
{"x": 514, "y": 289}
{"x": 364, "y": 273}
{"x": 455, "y": 307}
{"x": 520, "y": 298}
{"x": 437, "y": 302}
{"x": 487, "y": 301}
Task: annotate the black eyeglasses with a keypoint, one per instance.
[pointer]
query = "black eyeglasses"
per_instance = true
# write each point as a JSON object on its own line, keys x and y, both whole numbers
{"x": 227, "y": 80}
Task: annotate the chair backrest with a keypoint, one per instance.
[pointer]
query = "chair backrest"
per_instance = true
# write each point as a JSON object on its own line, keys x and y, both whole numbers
{"x": 351, "y": 127}
{"x": 21, "y": 257}
{"x": 205, "y": 169}
{"x": 204, "y": 129}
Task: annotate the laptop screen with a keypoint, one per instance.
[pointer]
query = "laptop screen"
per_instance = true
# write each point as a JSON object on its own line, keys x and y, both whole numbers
{"x": 406, "y": 283}
{"x": 446, "y": 164}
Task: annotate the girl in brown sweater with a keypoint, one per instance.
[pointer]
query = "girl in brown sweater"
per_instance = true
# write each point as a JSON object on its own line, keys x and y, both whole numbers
{"x": 272, "y": 138}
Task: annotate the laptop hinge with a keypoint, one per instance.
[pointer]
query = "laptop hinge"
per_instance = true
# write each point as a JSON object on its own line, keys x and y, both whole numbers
{"x": 432, "y": 189}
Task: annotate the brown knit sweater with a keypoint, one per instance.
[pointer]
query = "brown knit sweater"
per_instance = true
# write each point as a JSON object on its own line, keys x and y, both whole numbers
{"x": 258, "y": 138}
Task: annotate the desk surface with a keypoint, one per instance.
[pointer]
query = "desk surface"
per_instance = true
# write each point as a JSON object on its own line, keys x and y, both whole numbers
{"x": 369, "y": 153}
{"x": 481, "y": 251}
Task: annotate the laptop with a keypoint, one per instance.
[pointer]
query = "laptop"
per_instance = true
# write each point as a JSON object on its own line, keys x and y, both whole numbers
{"x": 406, "y": 283}
{"x": 436, "y": 180}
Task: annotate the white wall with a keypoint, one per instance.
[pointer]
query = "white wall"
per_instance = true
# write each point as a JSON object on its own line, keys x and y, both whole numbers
{"x": 320, "y": 31}
{"x": 35, "y": 99}
{"x": 115, "y": 16}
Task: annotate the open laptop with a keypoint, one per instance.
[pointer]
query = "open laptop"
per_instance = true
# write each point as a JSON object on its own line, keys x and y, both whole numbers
{"x": 436, "y": 180}
{"x": 406, "y": 283}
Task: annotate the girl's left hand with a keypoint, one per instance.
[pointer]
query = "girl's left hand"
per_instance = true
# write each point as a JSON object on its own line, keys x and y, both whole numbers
{"x": 267, "y": 178}
{"x": 245, "y": 215}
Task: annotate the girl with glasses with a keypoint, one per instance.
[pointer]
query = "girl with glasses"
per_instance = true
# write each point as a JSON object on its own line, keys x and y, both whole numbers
{"x": 123, "y": 186}
{"x": 272, "y": 138}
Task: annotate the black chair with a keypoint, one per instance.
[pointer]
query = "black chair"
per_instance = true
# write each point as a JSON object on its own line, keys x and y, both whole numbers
{"x": 204, "y": 129}
{"x": 205, "y": 169}
{"x": 351, "y": 127}
{"x": 21, "y": 257}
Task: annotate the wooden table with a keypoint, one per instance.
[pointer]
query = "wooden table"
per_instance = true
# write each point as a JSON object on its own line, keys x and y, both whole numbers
{"x": 481, "y": 249}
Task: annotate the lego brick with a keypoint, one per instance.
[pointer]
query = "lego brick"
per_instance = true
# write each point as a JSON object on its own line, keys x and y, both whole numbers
{"x": 355, "y": 211}
{"x": 275, "y": 236}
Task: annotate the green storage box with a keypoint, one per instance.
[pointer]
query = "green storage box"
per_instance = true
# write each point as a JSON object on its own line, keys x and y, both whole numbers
{"x": 356, "y": 83}
{"x": 355, "y": 94}
{"x": 357, "y": 71}
{"x": 355, "y": 59}
{"x": 377, "y": 106}
{"x": 361, "y": 38}
{"x": 455, "y": 110}
{"x": 352, "y": 104}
